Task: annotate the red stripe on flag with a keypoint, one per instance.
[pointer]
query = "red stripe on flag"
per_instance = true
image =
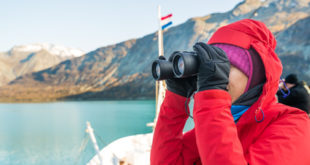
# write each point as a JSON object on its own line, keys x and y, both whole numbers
{"x": 165, "y": 17}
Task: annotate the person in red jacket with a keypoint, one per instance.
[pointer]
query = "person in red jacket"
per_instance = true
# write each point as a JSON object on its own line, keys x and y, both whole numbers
{"x": 236, "y": 115}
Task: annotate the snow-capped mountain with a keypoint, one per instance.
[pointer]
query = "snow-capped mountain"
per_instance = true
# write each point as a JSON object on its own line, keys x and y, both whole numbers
{"x": 51, "y": 48}
{"x": 29, "y": 58}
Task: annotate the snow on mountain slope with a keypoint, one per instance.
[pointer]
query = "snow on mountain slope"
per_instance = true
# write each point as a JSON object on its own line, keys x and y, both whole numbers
{"x": 51, "y": 48}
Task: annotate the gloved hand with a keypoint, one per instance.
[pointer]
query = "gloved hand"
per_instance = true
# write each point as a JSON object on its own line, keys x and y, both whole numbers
{"x": 214, "y": 67}
{"x": 182, "y": 86}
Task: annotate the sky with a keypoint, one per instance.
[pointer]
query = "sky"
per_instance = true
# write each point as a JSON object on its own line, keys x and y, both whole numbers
{"x": 89, "y": 24}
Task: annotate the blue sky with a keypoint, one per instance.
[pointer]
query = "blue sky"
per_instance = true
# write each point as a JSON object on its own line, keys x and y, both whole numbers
{"x": 89, "y": 24}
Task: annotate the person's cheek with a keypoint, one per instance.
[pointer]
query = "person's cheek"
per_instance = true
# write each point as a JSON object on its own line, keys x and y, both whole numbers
{"x": 231, "y": 90}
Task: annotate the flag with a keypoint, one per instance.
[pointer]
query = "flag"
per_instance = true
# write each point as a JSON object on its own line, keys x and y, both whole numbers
{"x": 165, "y": 21}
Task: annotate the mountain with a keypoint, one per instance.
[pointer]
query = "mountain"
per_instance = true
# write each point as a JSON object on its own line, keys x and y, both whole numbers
{"x": 122, "y": 71}
{"x": 53, "y": 49}
{"x": 294, "y": 48}
{"x": 24, "y": 59}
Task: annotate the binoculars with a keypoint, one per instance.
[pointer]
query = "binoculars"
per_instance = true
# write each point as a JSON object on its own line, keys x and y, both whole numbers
{"x": 183, "y": 64}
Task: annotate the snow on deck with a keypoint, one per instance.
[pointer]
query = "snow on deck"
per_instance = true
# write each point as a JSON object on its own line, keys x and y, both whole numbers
{"x": 133, "y": 150}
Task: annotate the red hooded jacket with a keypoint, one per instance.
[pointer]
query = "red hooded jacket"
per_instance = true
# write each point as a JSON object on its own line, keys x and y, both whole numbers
{"x": 267, "y": 133}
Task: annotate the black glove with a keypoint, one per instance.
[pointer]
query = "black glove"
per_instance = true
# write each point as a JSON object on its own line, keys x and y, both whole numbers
{"x": 182, "y": 86}
{"x": 214, "y": 67}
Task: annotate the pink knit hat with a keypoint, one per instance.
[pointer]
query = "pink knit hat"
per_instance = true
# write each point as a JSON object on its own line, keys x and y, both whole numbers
{"x": 240, "y": 58}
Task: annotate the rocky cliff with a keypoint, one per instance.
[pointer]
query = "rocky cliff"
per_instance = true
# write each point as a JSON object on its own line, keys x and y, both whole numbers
{"x": 294, "y": 49}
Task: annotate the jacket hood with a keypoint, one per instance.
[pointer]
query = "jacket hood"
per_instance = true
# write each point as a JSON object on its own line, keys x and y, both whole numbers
{"x": 254, "y": 34}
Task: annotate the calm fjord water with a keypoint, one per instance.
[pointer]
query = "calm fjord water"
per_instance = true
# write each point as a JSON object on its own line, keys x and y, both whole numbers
{"x": 54, "y": 133}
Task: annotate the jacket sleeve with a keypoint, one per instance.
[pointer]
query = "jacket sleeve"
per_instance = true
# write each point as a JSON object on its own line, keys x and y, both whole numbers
{"x": 170, "y": 146}
{"x": 216, "y": 133}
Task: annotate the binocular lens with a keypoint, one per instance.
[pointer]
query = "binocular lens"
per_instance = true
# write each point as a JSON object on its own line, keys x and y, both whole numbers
{"x": 157, "y": 70}
{"x": 185, "y": 64}
{"x": 181, "y": 65}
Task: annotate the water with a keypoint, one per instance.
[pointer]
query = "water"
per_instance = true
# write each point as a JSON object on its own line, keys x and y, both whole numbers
{"x": 54, "y": 133}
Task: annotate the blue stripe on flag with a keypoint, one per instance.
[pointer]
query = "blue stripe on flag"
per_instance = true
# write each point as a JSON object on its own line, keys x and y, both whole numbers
{"x": 166, "y": 25}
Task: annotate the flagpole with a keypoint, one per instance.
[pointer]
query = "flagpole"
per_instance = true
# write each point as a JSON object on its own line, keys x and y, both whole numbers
{"x": 160, "y": 35}
{"x": 159, "y": 84}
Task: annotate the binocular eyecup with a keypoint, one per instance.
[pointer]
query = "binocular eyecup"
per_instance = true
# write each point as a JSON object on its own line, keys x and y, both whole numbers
{"x": 183, "y": 64}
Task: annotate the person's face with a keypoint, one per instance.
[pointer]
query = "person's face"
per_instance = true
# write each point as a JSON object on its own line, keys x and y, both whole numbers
{"x": 237, "y": 83}
{"x": 289, "y": 85}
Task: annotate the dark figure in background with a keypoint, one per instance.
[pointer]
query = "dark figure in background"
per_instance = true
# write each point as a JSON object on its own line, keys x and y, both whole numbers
{"x": 297, "y": 96}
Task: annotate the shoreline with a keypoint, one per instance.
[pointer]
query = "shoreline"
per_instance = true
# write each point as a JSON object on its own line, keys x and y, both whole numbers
{"x": 71, "y": 100}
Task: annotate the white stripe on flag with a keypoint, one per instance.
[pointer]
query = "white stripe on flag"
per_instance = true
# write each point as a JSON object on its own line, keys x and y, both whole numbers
{"x": 165, "y": 21}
